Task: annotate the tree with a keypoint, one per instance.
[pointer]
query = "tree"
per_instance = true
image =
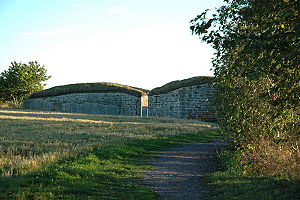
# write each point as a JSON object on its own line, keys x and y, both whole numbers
{"x": 257, "y": 69}
{"x": 21, "y": 80}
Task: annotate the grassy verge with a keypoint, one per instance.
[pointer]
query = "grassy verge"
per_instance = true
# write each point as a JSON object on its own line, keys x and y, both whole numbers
{"x": 112, "y": 172}
{"x": 230, "y": 183}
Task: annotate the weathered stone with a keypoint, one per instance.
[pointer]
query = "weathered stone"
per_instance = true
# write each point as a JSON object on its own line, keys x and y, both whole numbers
{"x": 91, "y": 103}
{"x": 190, "y": 102}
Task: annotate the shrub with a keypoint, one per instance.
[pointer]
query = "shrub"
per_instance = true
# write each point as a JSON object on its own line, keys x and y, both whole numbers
{"x": 257, "y": 77}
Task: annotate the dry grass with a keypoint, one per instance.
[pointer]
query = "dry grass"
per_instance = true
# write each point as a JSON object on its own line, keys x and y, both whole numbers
{"x": 174, "y": 85}
{"x": 10, "y": 104}
{"x": 89, "y": 88}
{"x": 30, "y": 139}
{"x": 271, "y": 158}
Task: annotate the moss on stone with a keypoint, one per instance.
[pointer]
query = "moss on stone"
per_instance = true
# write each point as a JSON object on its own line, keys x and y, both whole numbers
{"x": 174, "y": 85}
{"x": 103, "y": 87}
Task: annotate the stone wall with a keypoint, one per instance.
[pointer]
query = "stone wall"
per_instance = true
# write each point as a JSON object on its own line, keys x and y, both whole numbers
{"x": 91, "y": 103}
{"x": 188, "y": 98}
{"x": 190, "y": 102}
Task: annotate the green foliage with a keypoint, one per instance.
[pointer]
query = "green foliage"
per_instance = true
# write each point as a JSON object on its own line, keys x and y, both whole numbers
{"x": 90, "y": 88}
{"x": 257, "y": 70}
{"x": 21, "y": 80}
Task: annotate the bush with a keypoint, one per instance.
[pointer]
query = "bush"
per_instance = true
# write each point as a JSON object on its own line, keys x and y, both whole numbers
{"x": 257, "y": 77}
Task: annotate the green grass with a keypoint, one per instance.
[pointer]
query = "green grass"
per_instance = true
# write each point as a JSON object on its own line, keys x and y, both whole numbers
{"x": 47, "y": 155}
{"x": 112, "y": 172}
{"x": 31, "y": 139}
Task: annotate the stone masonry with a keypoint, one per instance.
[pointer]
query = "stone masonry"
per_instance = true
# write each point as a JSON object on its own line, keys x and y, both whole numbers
{"x": 91, "y": 103}
{"x": 190, "y": 102}
{"x": 189, "y": 98}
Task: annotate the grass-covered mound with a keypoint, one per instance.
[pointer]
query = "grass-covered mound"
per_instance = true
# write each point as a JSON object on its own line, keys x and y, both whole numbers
{"x": 174, "y": 85}
{"x": 101, "y": 87}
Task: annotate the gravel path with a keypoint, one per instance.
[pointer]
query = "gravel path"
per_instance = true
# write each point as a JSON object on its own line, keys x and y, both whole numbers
{"x": 178, "y": 173}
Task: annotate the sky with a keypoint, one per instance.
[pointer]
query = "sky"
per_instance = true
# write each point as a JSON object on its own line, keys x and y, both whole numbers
{"x": 141, "y": 43}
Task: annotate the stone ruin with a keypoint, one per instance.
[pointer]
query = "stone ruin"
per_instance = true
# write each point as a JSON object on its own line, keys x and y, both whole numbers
{"x": 189, "y": 98}
{"x": 90, "y": 98}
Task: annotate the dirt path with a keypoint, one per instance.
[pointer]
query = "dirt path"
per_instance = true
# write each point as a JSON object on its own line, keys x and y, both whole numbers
{"x": 178, "y": 173}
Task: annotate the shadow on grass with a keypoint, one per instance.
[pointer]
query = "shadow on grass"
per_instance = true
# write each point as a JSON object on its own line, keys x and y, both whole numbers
{"x": 112, "y": 172}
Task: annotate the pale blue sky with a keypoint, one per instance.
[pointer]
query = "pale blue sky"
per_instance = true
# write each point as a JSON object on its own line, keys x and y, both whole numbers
{"x": 142, "y": 43}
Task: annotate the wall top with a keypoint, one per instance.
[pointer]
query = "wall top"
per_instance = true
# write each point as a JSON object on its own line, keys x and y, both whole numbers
{"x": 101, "y": 87}
{"x": 174, "y": 85}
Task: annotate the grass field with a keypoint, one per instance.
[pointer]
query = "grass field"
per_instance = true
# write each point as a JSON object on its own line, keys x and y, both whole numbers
{"x": 47, "y": 155}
